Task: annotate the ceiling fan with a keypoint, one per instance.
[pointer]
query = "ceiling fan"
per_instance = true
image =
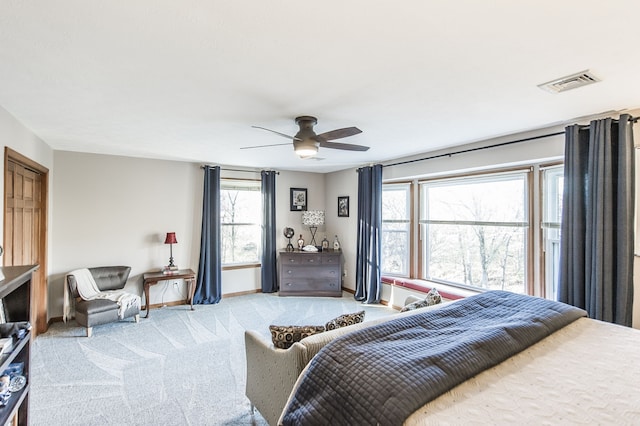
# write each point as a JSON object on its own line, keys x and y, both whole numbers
{"x": 306, "y": 142}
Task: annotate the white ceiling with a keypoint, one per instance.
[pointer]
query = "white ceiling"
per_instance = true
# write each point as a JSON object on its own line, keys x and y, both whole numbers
{"x": 185, "y": 80}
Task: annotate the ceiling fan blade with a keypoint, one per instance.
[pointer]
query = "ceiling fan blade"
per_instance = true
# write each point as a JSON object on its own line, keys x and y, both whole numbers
{"x": 343, "y": 146}
{"x": 264, "y": 146}
{"x": 277, "y": 133}
{"x": 339, "y": 133}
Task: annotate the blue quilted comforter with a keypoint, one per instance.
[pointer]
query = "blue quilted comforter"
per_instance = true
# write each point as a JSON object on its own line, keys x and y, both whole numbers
{"x": 382, "y": 374}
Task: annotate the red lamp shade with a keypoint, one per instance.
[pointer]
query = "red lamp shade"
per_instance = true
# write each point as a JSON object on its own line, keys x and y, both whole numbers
{"x": 171, "y": 238}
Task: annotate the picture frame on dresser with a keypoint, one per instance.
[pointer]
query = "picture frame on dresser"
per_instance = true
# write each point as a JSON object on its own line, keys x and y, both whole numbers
{"x": 298, "y": 199}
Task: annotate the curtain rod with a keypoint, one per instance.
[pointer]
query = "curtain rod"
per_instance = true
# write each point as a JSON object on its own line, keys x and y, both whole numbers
{"x": 245, "y": 171}
{"x": 633, "y": 119}
{"x": 464, "y": 151}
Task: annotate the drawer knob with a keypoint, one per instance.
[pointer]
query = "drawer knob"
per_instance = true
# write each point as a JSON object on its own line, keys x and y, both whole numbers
{"x": 310, "y": 260}
{"x": 289, "y": 271}
{"x": 291, "y": 260}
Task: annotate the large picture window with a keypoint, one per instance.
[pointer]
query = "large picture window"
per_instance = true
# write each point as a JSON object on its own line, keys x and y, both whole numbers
{"x": 396, "y": 231}
{"x": 474, "y": 231}
{"x": 240, "y": 221}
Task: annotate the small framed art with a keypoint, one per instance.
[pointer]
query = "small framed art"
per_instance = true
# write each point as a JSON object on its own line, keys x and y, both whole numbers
{"x": 343, "y": 206}
{"x": 298, "y": 199}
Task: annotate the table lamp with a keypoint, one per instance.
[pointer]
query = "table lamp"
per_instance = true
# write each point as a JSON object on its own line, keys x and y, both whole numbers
{"x": 171, "y": 240}
{"x": 313, "y": 219}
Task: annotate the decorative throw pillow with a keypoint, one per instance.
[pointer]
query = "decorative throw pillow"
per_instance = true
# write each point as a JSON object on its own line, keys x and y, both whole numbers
{"x": 432, "y": 298}
{"x": 345, "y": 320}
{"x": 285, "y": 336}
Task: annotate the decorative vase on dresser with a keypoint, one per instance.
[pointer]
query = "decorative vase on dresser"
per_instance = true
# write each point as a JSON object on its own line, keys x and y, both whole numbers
{"x": 303, "y": 273}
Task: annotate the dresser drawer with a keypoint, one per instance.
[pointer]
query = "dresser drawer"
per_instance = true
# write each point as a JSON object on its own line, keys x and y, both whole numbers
{"x": 310, "y": 286}
{"x": 331, "y": 259}
{"x": 310, "y": 272}
{"x": 300, "y": 259}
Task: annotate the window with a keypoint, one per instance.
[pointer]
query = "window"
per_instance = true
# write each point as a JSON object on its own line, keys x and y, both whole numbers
{"x": 240, "y": 221}
{"x": 475, "y": 231}
{"x": 553, "y": 181}
{"x": 396, "y": 231}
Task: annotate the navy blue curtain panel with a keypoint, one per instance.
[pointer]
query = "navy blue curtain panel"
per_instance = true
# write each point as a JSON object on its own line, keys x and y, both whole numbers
{"x": 597, "y": 234}
{"x": 269, "y": 270}
{"x": 209, "y": 284}
{"x": 368, "y": 276}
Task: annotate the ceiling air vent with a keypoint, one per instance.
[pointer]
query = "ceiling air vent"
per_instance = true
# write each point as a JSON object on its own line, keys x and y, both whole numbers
{"x": 569, "y": 82}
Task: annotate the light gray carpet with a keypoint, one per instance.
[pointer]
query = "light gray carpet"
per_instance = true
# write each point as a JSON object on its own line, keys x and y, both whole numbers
{"x": 177, "y": 367}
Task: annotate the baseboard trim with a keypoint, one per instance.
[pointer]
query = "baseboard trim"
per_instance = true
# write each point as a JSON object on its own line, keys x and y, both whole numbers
{"x": 241, "y": 293}
{"x": 382, "y": 302}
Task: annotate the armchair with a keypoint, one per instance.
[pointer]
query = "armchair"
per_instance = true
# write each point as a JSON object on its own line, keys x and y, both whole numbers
{"x": 90, "y": 313}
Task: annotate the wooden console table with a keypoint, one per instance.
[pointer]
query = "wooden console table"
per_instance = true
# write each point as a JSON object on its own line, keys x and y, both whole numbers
{"x": 153, "y": 278}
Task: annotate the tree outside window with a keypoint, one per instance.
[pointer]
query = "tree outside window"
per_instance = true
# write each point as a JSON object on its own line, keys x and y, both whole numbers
{"x": 474, "y": 231}
{"x": 396, "y": 222}
{"x": 240, "y": 216}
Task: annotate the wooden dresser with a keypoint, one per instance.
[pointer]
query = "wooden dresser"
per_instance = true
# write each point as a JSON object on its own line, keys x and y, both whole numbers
{"x": 302, "y": 273}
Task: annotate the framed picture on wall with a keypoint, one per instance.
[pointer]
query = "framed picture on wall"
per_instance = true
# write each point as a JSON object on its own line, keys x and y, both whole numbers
{"x": 343, "y": 206}
{"x": 298, "y": 199}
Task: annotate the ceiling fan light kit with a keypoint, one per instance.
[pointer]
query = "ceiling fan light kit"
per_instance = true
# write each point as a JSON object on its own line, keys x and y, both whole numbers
{"x": 306, "y": 148}
{"x": 306, "y": 143}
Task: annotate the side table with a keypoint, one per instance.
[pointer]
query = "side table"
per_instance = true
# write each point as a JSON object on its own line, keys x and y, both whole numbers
{"x": 153, "y": 278}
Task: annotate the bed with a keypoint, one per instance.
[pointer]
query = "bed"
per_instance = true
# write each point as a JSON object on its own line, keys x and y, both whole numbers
{"x": 585, "y": 372}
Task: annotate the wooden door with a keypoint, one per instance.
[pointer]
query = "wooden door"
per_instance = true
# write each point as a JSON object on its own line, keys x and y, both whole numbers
{"x": 25, "y": 184}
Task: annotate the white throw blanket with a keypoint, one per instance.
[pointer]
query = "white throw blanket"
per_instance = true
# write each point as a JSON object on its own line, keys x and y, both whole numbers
{"x": 88, "y": 290}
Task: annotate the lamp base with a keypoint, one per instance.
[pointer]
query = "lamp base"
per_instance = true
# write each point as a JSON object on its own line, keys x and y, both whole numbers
{"x": 313, "y": 230}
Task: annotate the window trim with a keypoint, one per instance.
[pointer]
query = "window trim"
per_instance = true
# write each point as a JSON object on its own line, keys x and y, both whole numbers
{"x": 527, "y": 171}
{"x": 536, "y": 265}
{"x": 249, "y": 185}
{"x": 412, "y": 234}
{"x": 542, "y": 253}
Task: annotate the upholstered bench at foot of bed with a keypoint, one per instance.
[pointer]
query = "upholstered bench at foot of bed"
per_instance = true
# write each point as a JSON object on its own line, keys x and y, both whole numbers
{"x": 272, "y": 373}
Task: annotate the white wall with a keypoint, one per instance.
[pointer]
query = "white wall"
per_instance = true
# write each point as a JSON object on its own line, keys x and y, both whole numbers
{"x": 115, "y": 210}
{"x": 111, "y": 210}
{"x": 315, "y": 185}
{"x": 540, "y": 150}
{"x": 344, "y": 183}
{"x": 17, "y": 137}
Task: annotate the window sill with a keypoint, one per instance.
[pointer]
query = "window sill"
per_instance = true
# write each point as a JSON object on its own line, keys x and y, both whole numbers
{"x": 242, "y": 266}
{"x": 446, "y": 291}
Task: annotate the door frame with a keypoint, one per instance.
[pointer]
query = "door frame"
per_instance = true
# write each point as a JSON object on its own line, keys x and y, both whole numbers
{"x": 39, "y": 293}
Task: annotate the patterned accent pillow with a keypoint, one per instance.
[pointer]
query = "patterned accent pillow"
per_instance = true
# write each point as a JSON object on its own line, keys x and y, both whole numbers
{"x": 345, "y": 320}
{"x": 285, "y": 336}
{"x": 432, "y": 298}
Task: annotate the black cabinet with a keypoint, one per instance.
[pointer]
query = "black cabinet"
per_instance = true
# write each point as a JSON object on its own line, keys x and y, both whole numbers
{"x": 15, "y": 292}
